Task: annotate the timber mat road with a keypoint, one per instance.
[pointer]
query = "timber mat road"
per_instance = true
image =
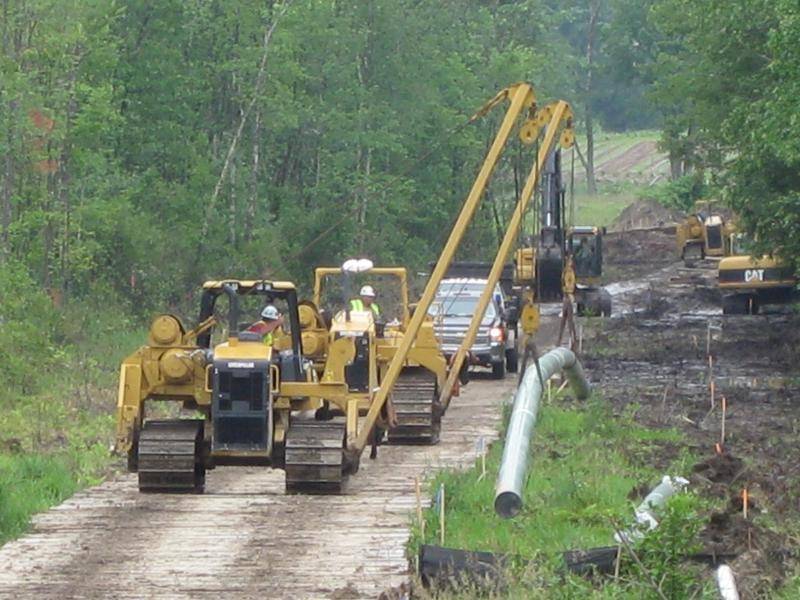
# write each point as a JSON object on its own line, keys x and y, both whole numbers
{"x": 244, "y": 538}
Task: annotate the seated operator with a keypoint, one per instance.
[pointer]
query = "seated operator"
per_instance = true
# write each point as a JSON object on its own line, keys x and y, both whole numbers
{"x": 366, "y": 302}
{"x": 270, "y": 324}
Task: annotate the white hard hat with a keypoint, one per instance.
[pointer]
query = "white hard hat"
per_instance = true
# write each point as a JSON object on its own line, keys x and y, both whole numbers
{"x": 270, "y": 313}
{"x": 367, "y": 291}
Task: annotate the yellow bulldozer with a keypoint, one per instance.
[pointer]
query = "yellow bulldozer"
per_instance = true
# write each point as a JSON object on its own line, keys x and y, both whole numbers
{"x": 253, "y": 402}
{"x": 415, "y": 414}
{"x": 704, "y": 233}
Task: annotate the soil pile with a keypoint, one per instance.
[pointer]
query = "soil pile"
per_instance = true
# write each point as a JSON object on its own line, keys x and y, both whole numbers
{"x": 643, "y": 214}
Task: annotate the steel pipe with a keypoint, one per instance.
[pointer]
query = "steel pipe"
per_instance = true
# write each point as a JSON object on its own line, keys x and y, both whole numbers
{"x": 514, "y": 465}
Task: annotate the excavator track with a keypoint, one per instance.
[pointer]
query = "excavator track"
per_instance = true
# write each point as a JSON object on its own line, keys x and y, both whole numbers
{"x": 169, "y": 457}
{"x": 413, "y": 399}
{"x": 315, "y": 457}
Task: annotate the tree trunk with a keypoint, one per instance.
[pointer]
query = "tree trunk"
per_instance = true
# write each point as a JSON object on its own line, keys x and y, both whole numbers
{"x": 253, "y": 201}
{"x": 594, "y": 13}
{"x": 7, "y": 188}
{"x": 233, "y": 208}
{"x": 8, "y": 160}
{"x": 64, "y": 180}
{"x": 362, "y": 209}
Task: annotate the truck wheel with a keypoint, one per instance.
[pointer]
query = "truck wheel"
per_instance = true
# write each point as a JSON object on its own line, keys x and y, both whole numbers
{"x": 499, "y": 369}
{"x": 512, "y": 360}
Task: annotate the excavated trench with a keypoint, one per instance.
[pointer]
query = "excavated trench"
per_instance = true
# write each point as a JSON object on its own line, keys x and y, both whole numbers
{"x": 651, "y": 359}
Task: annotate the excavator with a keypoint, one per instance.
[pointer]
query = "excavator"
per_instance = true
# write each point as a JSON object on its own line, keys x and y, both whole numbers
{"x": 748, "y": 282}
{"x": 255, "y": 403}
{"x": 561, "y": 261}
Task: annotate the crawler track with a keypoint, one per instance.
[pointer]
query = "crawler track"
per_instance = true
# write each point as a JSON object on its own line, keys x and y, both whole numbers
{"x": 314, "y": 457}
{"x": 414, "y": 398}
{"x": 168, "y": 458}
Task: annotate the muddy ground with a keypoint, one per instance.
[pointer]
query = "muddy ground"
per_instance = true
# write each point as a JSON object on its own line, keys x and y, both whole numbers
{"x": 652, "y": 357}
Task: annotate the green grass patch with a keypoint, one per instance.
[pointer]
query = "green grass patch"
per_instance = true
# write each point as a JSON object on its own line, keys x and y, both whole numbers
{"x": 585, "y": 463}
{"x": 58, "y": 398}
{"x": 29, "y": 484}
{"x": 602, "y": 208}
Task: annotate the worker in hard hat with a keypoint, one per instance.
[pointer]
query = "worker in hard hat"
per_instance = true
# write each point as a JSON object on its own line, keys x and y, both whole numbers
{"x": 270, "y": 324}
{"x": 366, "y": 301}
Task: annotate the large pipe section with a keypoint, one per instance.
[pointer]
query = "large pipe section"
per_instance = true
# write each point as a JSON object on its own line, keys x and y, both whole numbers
{"x": 514, "y": 466}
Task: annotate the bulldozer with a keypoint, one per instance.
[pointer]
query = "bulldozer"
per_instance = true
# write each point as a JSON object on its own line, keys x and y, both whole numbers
{"x": 704, "y": 233}
{"x": 253, "y": 403}
{"x": 415, "y": 415}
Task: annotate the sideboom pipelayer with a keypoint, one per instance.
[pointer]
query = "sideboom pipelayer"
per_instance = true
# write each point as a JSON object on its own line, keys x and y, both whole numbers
{"x": 279, "y": 405}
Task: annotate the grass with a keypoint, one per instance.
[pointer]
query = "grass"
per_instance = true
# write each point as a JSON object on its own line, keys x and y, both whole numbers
{"x": 585, "y": 464}
{"x": 29, "y": 484}
{"x": 601, "y": 210}
{"x": 58, "y": 423}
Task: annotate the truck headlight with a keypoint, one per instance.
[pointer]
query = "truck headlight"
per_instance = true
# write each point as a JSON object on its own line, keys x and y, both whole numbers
{"x": 496, "y": 334}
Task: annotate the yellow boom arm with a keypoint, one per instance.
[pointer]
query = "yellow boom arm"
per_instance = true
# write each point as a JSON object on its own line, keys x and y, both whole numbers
{"x": 522, "y": 99}
{"x": 553, "y": 116}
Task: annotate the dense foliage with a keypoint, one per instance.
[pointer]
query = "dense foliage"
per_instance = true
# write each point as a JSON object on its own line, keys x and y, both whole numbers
{"x": 728, "y": 72}
{"x": 144, "y": 146}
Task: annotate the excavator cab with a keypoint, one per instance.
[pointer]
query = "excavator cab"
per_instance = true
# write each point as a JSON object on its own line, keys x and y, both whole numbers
{"x": 714, "y": 235}
{"x": 586, "y": 247}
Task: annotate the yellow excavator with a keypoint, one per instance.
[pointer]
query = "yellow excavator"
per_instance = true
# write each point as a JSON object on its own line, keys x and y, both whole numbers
{"x": 261, "y": 403}
{"x": 561, "y": 261}
{"x": 749, "y": 282}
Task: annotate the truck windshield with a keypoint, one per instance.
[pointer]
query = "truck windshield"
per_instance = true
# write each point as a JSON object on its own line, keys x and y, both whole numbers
{"x": 459, "y": 306}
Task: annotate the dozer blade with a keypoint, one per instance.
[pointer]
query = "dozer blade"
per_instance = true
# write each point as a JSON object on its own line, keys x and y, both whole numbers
{"x": 170, "y": 456}
{"x": 413, "y": 398}
{"x": 315, "y": 457}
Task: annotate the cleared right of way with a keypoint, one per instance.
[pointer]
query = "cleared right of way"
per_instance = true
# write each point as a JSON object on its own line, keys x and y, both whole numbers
{"x": 244, "y": 538}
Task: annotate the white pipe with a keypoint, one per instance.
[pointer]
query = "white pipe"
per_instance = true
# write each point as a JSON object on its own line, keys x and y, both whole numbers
{"x": 726, "y": 583}
{"x": 655, "y": 499}
{"x": 514, "y": 465}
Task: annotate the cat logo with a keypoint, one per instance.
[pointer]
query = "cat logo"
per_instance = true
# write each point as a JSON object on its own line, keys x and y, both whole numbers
{"x": 754, "y": 275}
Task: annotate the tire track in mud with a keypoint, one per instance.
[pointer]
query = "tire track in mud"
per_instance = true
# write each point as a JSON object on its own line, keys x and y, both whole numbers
{"x": 244, "y": 538}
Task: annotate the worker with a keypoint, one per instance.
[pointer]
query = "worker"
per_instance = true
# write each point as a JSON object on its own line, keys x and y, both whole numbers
{"x": 366, "y": 301}
{"x": 269, "y": 325}
{"x": 584, "y": 255}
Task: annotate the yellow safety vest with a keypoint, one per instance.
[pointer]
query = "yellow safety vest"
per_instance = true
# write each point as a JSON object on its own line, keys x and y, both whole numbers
{"x": 358, "y": 304}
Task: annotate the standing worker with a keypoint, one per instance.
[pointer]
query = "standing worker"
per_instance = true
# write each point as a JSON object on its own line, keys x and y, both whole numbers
{"x": 366, "y": 301}
{"x": 270, "y": 324}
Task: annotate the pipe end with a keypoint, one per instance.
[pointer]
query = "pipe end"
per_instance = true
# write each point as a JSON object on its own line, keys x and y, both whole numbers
{"x": 507, "y": 504}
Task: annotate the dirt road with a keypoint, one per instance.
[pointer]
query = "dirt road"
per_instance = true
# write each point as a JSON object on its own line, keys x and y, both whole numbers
{"x": 244, "y": 538}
